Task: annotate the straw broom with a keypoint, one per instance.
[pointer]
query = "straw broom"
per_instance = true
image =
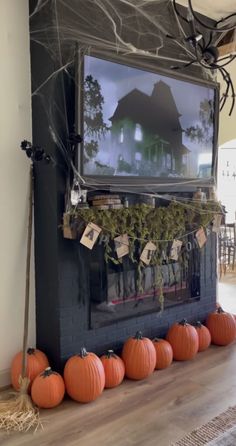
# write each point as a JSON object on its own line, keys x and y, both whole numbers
{"x": 19, "y": 413}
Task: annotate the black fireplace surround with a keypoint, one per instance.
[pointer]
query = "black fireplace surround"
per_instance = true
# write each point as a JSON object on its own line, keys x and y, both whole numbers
{"x": 62, "y": 266}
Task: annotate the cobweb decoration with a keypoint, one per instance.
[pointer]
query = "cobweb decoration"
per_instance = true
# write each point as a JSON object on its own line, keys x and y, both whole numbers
{"x": 137, "y": 31}
{"x": 133, "y": 29}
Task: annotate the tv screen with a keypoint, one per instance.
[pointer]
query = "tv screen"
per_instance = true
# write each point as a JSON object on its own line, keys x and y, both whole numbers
{"x": 137, "y": 123}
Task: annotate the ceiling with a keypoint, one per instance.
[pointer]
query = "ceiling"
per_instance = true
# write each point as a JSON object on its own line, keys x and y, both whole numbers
{"x": 215, "y": 9}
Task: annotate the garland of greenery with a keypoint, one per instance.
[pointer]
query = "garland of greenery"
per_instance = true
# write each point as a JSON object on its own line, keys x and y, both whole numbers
{"x": 142, "y": 223}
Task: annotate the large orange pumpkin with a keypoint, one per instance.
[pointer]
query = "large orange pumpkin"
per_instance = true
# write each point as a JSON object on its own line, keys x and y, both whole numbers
{"x": 139, "y": 356}
{"x": 234, "y": 316}
{"x": 114, "y": 369}
{"x": 48, "y": 389}
{"x": 204, "y": 336}
{"x": 183, "y": 339}
{"x": 36, "y": 362}
{"x": 164, "y": 353}
{"x": 222, "y": 327}
{"x": 84, "y": 377}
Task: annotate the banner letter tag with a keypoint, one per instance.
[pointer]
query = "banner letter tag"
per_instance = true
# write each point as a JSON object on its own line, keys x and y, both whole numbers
{"x": 175, "y": 249}
{"x": 201, "y": 237}
{"x": 122, "y": 245}
{"x": 90, "y": 235}
{"x": 147, "y": 252}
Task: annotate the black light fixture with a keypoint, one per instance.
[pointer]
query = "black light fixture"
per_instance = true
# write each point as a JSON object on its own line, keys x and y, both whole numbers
{"x": 35, "y": 153}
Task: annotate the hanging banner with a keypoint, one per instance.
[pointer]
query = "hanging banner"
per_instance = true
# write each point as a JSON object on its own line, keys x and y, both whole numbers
{"x": 175, "y": 249}
{"x": 147, "y": 253}
{"x": 201, "y": 237}
{"x": 216, "y": 223}
{"x": 122, "y": 245}
{"x": 90, "y": 235}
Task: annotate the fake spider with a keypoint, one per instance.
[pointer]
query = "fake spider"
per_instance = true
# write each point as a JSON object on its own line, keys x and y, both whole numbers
{"x": 206, "y": 53}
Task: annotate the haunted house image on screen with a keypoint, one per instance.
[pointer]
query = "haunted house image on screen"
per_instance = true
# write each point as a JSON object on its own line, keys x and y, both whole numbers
{"x": 138, "y": 123}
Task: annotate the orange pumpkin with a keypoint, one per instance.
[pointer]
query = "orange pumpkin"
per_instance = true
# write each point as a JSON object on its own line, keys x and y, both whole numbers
{"x": 204, "y": 336}
{"x": 84, "y": 377}
{"x": 222, "y": 327}
{"x": 183, "y": 339}
{"x": 139, "y": 356}
{"x": 164, "y": 353}
{"x": 114, "y": 369}
{"x": 234, "y": 316}
{"x": 36, "y": 362}
{"x": 48, "y": 389}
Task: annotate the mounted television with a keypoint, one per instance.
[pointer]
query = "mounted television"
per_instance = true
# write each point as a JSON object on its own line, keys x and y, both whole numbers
{"x": 141, "y": 126}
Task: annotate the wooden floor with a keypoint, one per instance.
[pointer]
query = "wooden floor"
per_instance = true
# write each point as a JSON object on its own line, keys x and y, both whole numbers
{"x": 153, "y": 412}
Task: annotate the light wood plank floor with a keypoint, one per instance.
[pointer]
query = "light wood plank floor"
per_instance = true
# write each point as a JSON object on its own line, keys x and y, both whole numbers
{"x": 152, "y": 412}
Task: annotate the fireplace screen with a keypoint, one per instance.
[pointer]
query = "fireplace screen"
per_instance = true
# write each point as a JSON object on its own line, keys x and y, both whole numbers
{"x": 120, "y": 291}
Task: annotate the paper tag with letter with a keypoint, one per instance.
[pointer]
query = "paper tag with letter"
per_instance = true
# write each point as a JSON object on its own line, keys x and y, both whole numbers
{"x": 122, "y": 245}
{"x": 175, "y": 249}
{"x": 201, "y": 237}
{"x": 90, "y": 235}
{"x": 216, "y": 223}
{"x": 147, "y": 252}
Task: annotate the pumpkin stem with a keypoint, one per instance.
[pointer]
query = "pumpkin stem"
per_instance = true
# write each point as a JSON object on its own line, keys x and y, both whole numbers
{"x": 47, "y": 372}
{"x": 110, "y": 354}
{"x": 198, "y": 324}
{"x": 156, "y": 340}
{"x": 220, "y": 310}
{"x": 183, "y": 322}
{"x": 138, "y": 335}
{"x": 83, "y": 352}
{"x": 31, "y": 351}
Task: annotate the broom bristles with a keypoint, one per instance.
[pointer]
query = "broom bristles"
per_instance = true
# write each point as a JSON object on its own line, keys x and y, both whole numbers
{"x": 19, "y": 413}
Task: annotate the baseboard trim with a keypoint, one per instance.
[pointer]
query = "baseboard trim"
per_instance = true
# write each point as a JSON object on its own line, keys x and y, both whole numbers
{"x": 5, "y": 379}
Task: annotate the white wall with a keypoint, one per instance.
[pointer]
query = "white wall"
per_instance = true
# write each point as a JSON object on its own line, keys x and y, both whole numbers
{"x": 15, "y": 125}
{"x": 227, "y": 128}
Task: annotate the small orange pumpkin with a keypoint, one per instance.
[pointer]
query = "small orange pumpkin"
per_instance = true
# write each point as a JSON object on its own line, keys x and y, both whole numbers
{"x": 164, "y": 353}
{"x": 204, "y": 336}
{"x": 139, "y": 356}
{"x": 84, "y": 377}
{"x": 36, "y": 362}
{"x": 48, "y": 389}
{"x": 222, "y": 327}
{"x": 114, "y": 369}
{"x": 183, "y": 339}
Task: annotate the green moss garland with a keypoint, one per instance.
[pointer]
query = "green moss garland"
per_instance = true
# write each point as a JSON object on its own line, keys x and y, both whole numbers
{"x": 142, "y": 223}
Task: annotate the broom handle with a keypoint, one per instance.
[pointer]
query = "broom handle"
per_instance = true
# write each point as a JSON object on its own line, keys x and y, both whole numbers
{"x": 27, "y": 277}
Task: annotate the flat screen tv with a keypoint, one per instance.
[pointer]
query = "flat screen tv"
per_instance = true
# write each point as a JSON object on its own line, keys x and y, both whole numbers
{"x": 144, "y": 126}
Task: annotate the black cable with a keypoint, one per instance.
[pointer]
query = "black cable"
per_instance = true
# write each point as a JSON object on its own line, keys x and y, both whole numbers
{"x": 183, "y": 66}
{"x": 196, "y": 31}
{"x": 209, "y": 41}
{"x": 225, "y": 94}
{"x": 226, "y": 57}
{"x": 227, "y": 79}
{"x": 211, "y": 28}
{"x": 232, "y": 89}
{"x": 178, "y": 13}
{"x": 226, "y": 18}
{"x": 226, "y": 63}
